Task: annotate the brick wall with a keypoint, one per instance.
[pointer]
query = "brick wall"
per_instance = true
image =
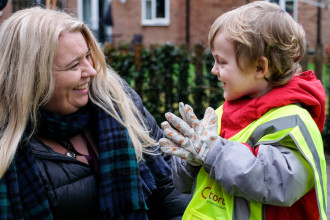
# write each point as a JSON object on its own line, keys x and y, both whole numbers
{"x": 202, "y": 15}
{"x": 307, "y": 17}
{"x": 71, "y": 6}
{"x": 127, "y": 21}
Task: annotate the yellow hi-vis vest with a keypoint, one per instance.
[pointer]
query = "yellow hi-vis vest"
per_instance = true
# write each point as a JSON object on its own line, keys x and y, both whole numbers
{"x": 291, "y": 122}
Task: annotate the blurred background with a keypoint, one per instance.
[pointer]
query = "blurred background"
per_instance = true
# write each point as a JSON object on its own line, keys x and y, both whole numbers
{"x": 160, "y": 46}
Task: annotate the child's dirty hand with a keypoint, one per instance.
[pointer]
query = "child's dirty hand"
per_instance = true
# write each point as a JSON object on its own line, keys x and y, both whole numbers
{"x": 193, "y": 135}
{"x": 169, "y": 147}
{"x": 207, "y": 127}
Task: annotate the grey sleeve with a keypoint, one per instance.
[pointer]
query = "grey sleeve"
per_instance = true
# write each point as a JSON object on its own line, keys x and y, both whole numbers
{"x": 183, "y": 174}
{"x": 277, "y": 176}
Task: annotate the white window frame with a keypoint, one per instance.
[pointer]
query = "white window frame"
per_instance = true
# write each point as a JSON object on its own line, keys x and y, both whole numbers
{"x": 155, "y": 21}
{"x": 94, "y": 25}
{"x": 282, "y": 4}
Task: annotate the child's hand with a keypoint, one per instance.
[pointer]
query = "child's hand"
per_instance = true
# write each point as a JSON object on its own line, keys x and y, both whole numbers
{"x": 193, "y": 136}
{"x": 208, "y": 125}
{"x": 173, "y": 149}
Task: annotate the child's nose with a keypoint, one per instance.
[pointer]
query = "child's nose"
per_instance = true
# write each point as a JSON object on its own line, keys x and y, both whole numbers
{"x": 214, "y": 70}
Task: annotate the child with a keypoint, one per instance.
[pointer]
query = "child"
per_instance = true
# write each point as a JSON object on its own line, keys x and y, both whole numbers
{"x": 261, "y": 151}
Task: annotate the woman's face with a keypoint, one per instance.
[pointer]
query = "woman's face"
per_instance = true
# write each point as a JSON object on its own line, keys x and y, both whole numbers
{"x": 72, "y": 71}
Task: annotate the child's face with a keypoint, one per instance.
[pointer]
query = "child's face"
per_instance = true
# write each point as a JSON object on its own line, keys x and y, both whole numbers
{"x": 236, "y": 83}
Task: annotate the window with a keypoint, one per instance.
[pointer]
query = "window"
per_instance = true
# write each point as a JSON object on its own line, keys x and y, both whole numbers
{"x": 88, "y": 13}
{"x": 91, "y": 13}
{"x": 290, "y": 6}
{"x": 156, "y": 12}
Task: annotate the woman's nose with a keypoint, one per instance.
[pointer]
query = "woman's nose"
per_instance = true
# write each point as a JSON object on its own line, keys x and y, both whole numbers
{"x": 89, "y": 69}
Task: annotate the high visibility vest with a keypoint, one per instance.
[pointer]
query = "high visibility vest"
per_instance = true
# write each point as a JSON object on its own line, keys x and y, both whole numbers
{"x": 210, "y": 201}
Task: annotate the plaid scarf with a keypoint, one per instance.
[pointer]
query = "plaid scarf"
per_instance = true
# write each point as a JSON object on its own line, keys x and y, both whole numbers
{"x": 55, "y": 126}
{"x": 124, "y": 184}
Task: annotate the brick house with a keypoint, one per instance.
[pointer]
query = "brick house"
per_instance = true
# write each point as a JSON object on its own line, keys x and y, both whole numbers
{"x": 161, "y": 21}
{"x": 89, "y": 11}
{"x": 14, "y": 5}
{"x": 175, "y": 21}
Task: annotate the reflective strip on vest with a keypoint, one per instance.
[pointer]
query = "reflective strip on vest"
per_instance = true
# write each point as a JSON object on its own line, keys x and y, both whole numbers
{"x": 271, "y": 128}
{"x": 306, "y": 146}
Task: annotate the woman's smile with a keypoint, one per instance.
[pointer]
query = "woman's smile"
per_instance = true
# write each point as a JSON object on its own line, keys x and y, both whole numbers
{"x": 81, "y": 87}
{"x": 73, "y": 71}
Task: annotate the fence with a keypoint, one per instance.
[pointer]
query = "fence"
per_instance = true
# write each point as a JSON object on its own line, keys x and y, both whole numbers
{"x": 165, "y": 75}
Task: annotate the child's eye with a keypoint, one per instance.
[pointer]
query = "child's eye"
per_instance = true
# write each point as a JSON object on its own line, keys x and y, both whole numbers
{"x": 218, "y": 60}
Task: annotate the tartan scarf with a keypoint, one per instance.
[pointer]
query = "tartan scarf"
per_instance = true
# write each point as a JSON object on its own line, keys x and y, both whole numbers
{"x": 55, "y": 126}
{"x": 124, "y": 184}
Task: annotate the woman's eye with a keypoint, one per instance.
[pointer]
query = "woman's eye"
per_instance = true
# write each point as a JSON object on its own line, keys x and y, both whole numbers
{"x": 88, "y": 56}
{"x": 75, "y": 66}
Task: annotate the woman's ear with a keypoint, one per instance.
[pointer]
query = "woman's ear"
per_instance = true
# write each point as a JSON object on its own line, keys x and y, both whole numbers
{"x": 262, "y": 67}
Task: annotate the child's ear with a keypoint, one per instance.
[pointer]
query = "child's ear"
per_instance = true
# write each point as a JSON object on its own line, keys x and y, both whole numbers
{"x": 262, "y": 67}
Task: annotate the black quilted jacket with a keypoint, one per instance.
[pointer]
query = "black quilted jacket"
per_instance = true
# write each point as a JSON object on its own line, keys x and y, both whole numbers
{"x": 72, "y": 186}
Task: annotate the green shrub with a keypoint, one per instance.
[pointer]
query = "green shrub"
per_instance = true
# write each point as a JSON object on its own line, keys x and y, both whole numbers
{"x": 168, "y": 74}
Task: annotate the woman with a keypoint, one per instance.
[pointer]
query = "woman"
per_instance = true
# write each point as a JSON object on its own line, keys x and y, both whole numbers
{"x": 76, "y": 141}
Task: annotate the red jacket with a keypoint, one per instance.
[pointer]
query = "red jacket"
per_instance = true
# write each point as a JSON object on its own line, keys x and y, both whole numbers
{"x": 304, "y": 89}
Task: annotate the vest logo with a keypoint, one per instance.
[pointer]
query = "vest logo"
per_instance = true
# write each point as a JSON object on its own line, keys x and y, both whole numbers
{"x": 212, "y": 197}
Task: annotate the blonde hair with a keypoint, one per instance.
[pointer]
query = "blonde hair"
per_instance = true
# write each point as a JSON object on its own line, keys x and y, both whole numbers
{"x": 263, "y": 29}
{"x": 29, "y": 43}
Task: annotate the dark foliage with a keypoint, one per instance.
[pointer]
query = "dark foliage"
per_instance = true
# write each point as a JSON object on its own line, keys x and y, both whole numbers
{"x": 166, "y": 75}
